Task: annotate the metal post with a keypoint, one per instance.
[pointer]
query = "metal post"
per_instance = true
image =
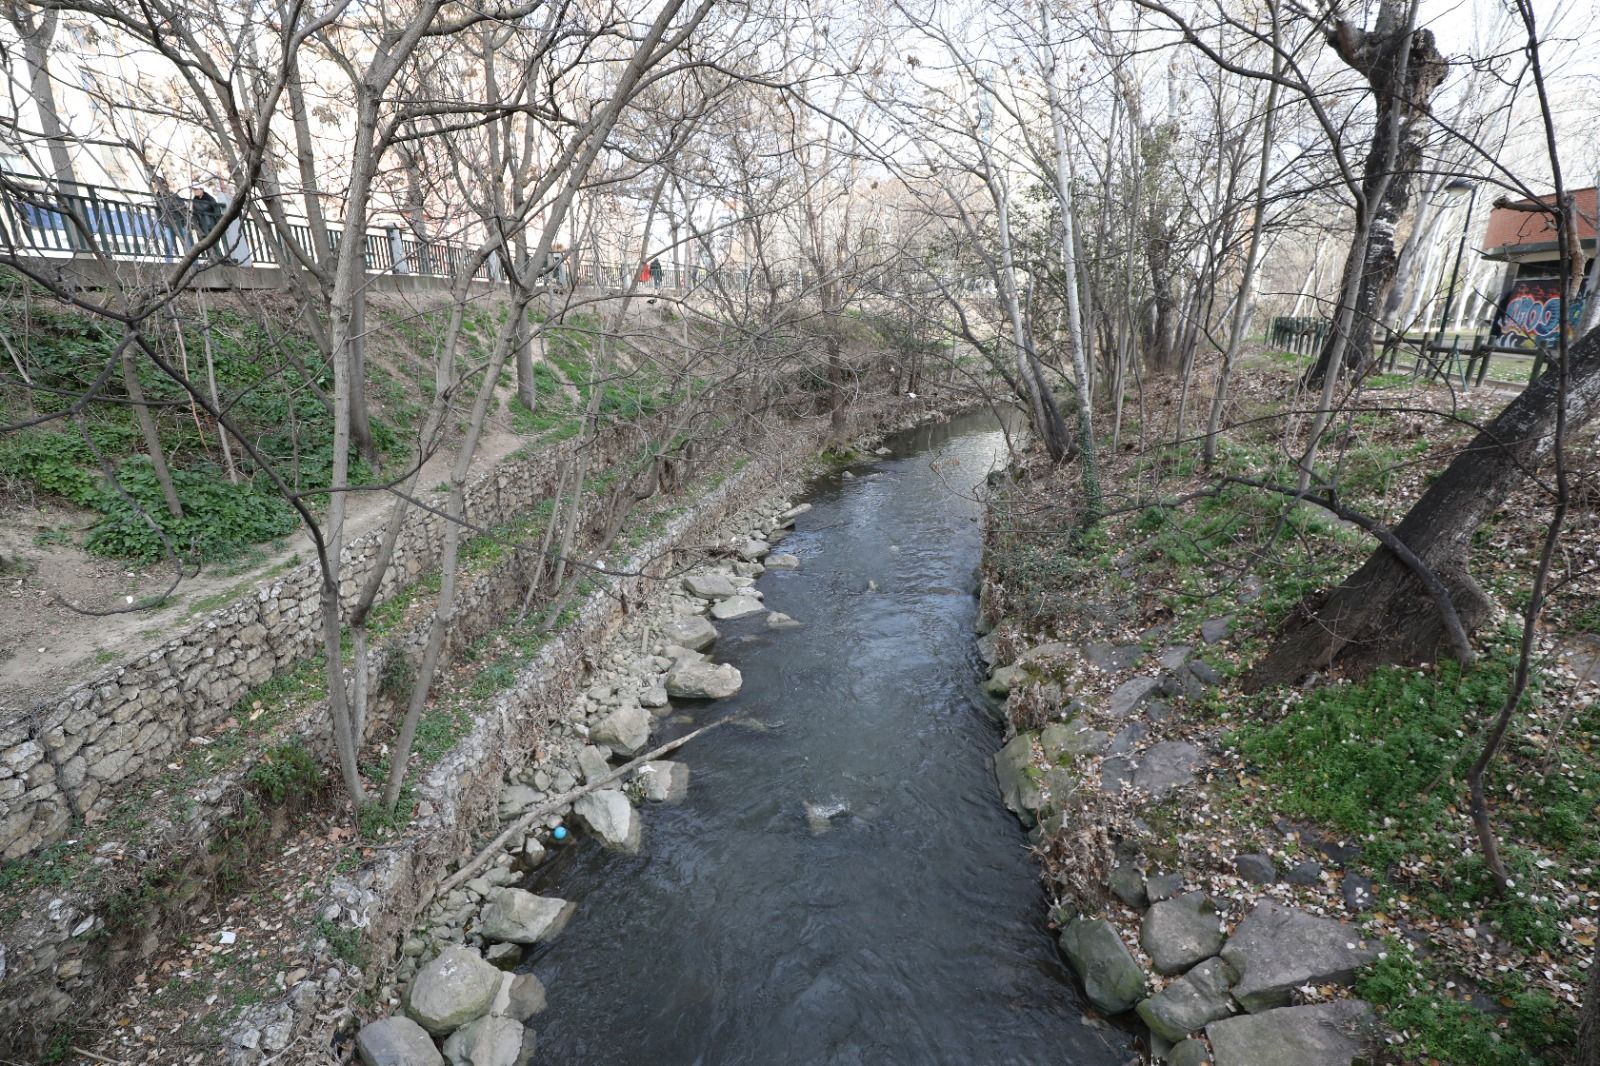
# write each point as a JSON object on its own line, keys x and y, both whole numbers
{"x": 397, "y": 250}
{"x": 1456, "y": 185}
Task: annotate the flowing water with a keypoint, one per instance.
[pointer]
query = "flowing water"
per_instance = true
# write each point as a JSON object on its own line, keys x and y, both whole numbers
{"x": 843, "y": 885}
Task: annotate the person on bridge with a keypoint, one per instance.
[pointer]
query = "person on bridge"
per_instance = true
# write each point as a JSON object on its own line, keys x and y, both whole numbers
{"x": 655, "y": 274}
{"x": 174, "y": 215}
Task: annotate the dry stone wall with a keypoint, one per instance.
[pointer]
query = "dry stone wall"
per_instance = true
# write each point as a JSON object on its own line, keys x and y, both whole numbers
{"x": 71, "y": 758}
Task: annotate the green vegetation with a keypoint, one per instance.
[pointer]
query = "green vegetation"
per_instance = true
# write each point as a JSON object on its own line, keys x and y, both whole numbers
{"x": 1532, "y": 1031}
{"x": 261, "y": 382}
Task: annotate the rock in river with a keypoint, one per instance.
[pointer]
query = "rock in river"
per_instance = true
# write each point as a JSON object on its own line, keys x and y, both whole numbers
{"x": 664, "y": 781}
{"x": 1111, "y": 978}
{"x": 455, "y": 987}
{"x": 703, "y": 681}
{"x": 626, "y": 729}
{"x": 516, "y": 916}
{"x": 1018, "y": 780}
{"x": 396, "y": 1041}
{"x": 488, "y": 1041}
{"x": 689, "y": 631}
{"x": 783, "y": 561}
{"x": 735, "y": 607}
{"x": 709, "y": 586}
{"x": 610, "y": 816}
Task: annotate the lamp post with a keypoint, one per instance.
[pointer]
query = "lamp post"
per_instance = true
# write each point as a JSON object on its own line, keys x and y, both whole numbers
{"x": 1455, "y": 187}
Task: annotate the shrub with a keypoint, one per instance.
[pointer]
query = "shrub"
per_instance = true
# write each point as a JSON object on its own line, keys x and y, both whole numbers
{"x": 220, "y": 518}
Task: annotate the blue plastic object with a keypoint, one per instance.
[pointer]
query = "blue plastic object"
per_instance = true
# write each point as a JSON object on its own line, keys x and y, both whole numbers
{"x": 559, "y": 832}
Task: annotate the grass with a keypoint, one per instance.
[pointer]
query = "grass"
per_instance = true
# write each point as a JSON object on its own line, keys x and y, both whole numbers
{"x": 261, "y": 381}
{"x": 1529, "y": 1030}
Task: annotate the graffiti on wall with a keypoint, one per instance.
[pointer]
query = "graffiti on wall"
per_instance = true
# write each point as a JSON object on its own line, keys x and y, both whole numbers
{"x": 1532, "y": 315}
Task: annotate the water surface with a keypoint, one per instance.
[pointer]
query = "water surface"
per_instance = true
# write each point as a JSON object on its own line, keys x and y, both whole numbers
{"x": 912, "y": 930}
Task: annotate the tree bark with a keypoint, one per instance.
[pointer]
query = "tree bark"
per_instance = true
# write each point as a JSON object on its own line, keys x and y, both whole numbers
{"x": 1404, "y": 68}
{"x": 152, "y": 436}
{"x": 37, "y": 33}
{"x": 1589, "y": 1018}
{"x": 1381, "y": 614}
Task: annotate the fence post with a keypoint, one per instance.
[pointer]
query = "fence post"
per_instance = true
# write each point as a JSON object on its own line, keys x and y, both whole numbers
{"x": 397, "y": 250}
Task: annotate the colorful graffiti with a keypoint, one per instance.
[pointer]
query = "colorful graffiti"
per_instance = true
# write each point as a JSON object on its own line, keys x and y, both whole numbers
{"x": 1532, "y": 315}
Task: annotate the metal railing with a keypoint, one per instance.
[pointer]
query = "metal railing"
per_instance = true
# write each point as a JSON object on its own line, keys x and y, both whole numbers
{"x": 58, "y": 222}
{"x": 37, "y": 220}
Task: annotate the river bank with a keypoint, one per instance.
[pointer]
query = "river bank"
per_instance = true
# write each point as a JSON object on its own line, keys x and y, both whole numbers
{"x": 256, "y": 981}
{"x": 1288, "y": 876}
{"x": 824, "y": 877}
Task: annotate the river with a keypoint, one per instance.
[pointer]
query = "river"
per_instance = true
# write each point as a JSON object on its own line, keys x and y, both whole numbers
{"x": 910, "y": 929}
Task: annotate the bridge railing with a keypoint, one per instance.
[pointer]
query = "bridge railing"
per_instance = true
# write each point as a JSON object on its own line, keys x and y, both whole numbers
{"x": 38, "y": 220}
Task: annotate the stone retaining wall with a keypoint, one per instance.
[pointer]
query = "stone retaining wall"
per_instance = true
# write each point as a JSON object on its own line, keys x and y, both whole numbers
{"x": 72, "y": 758}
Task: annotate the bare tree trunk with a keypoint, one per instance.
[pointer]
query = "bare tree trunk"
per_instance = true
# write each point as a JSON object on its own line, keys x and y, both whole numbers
{"x": 1252, "y": 257}
{"x": 152, "y": 437}
{"x": 1589, "y": 1017}
{"x": 1084, "y": 383}
{"x": 1381, "y": 613}
{"x": 1404, "y": 68}
{"x": 37, "y": 32}
{"x": 456, "y": 510}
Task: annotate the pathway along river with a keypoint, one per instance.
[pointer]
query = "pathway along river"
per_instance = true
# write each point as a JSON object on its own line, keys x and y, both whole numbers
{"x": 912, "y": 930}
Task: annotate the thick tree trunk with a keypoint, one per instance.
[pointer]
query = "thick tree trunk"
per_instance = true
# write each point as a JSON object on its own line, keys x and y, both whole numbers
{"x": 1589, "y": 1018}
{"x": 1381, "y": 614}
{"x": 1404, "y": 68}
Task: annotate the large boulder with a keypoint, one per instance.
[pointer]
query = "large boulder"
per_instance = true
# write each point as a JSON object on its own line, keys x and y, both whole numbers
{"x": 521, "y": 997}
{"x": 453, "y": 988}
{"x": 1276, "y": 949}
{"x": 703, "y": 681}
{"x": 1178, "y": 933}
{"x": 1018, "y": 780}
{"x": 689, "y": 631}
{"x": 626, "y": 729}
{"x": 1166, "y": 767}
{"x": 1070, "y": 740}
{"x": 709, "y": 586}
{"x": 491, "y": 1041}
{"x": 1003, "y": 679}
{"x": 664, "y": 781}
{"x": 1191, "y": 1002}
{"x": 1130, "y": 694}
{"x": 517, "y": 916}
{"x": 592, "y": 764}
{"x": 1325, "y": 1034}
{"x": 609, "y": 816}
{"x": 1112, "y": 980}
{"x": 736, "y": 607}
{"x": 396, "y": 1041}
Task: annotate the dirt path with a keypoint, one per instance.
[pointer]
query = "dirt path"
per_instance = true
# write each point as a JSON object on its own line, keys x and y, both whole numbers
{"x": 46, "y": 646}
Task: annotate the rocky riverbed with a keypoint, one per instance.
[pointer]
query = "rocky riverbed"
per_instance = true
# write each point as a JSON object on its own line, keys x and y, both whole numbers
{"x": 1236, "y": 967}
{"x": 459, "y": 997}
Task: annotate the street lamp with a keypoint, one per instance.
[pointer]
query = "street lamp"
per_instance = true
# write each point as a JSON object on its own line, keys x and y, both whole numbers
{"x": 1454, "y": 188}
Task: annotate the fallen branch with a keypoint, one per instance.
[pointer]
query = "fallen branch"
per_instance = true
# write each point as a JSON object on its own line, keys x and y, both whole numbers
{"x": 550, "y": 807}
